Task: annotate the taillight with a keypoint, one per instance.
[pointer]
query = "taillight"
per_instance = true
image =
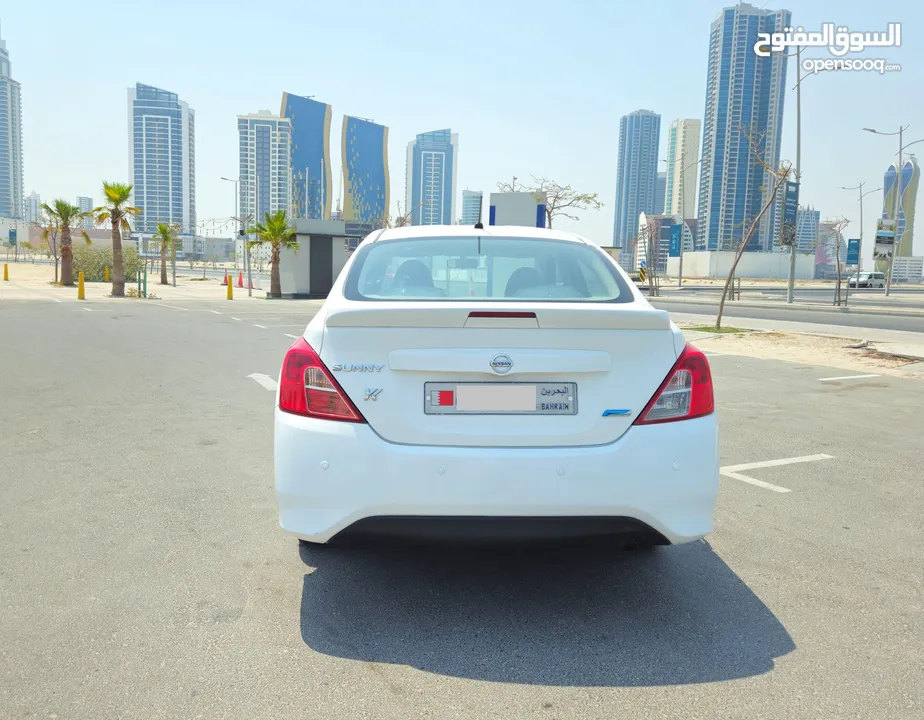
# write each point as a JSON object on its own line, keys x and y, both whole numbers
{"x": 686, "y": 393}
{"x": 307, "y": 388}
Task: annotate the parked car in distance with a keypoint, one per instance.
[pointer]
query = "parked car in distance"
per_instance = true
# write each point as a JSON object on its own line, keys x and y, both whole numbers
{"x": 868, "y": 280}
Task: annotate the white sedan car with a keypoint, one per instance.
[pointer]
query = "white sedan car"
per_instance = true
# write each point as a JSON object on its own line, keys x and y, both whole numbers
{"x": 493, "y": 383}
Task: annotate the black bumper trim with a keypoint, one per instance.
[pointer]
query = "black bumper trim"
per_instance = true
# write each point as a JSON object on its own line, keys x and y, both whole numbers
{"x": 491, "y": 529}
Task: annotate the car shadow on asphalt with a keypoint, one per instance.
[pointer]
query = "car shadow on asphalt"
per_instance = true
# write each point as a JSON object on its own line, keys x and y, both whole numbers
{"x": 560, "y": 617}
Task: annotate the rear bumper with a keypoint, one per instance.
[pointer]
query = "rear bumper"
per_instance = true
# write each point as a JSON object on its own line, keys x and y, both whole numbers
{"x": 338, "y": 479}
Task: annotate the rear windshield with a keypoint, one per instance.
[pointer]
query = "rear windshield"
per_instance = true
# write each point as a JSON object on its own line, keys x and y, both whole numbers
{"x": 484, "y": 268}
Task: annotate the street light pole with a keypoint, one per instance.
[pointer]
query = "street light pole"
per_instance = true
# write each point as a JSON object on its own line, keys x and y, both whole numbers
{"x": 896, "y": 203}
{"x": 791, "y": 283}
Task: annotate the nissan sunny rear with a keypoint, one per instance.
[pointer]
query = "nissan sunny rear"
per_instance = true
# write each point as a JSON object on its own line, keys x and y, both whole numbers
{"x": 499, "y": 383}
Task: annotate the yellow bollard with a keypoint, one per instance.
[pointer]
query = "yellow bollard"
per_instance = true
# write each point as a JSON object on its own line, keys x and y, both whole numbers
{"x": 230, "y": 290}
{"x": 106, "y": 274}
{"x": 80, "y": 292}
{"x": 6, "y": 271}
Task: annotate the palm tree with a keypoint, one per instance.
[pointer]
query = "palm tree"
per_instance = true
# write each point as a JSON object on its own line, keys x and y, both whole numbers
{"x": 118, "y": 213}
{"x": 66, "y": 218}
{"x": 166, "y": 237}
{"x": 275, "y": 231}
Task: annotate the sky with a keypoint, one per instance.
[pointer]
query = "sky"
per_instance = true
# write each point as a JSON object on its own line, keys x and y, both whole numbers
{"x": 531, "y": 88}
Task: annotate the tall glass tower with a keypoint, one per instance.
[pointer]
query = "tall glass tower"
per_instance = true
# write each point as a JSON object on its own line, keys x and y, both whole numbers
{"x": 744, "y": 99}
{"x": 162, "y": 159}
{"x": 311, "y": 173}
{"x": 636, "y": 177}
{"x": 682, "y": 170}
{"x": 471, "y": 206}
{"x": 11, "y": 183}
{"x": 364, "y": 148}
{"x": 265, "y": 146}
{"x": 431, "y": 178}
{"x": 911, "y": 174}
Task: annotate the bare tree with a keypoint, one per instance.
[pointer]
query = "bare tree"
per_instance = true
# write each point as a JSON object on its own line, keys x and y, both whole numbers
{"x": 653, "y": 253}
{"x": 779, "y": 176}
{"x": 560, "y": 200}
{"x": 403, "y": 218}
{"x": 49, "y": 228}
{"x": 836, "y": 229}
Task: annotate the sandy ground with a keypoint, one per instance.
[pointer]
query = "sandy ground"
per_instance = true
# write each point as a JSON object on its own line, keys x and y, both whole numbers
{"x": 810, "y": 350}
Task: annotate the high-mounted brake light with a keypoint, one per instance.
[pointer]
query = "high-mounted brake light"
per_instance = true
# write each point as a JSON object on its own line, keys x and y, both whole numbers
{"x": 686, "y": 392}
{"x": 501, "y": 314}
{"x": 307, "y": 388}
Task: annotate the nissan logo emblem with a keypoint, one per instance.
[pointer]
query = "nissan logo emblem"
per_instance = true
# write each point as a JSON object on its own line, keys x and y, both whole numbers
{"x": 501, "y": 364}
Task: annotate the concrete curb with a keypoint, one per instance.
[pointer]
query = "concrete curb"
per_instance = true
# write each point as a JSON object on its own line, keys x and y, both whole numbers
{"x": 785, "y": 306}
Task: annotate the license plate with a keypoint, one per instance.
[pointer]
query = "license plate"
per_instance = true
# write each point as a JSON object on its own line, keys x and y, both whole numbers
{"x": 496, "y": 398}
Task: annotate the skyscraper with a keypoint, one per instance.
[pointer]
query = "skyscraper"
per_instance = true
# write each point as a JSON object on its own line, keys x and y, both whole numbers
{"x": 471, "y": 206}
{"x": 744, "y": 98}
{"x": 431, "y": 178}
{"x": 364, "y": 152}
{"x": 911, "y": 174}
{"x": 33, "y": 208}
{"x": 807, "y": 229}
{"x": 11, "y": 183}
{"x": 86, "y": 205}
{"x": 636, "y": 176}
{"x": 682, "y": 170}
{"x": 162, "y": 159}
{"x": 265, "y": 143}
{"x": 660, "y": 190}
{"x": 311, "y": 172}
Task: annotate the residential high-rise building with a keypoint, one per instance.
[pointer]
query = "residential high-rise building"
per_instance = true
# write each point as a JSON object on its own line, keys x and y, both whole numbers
{"x": 86, "y": 205}
{"x": 660, "y": 189}
{"x": 911, "y": 174}
{"x": 265, "y": 144}
{"x": 636, "y": 177}
{"x": 11, "y": 181}
{"x": 807, "y": 229}
{"x": 432, "y": 168}
{"x": 682, "y": 169}
{"x": 471, "y": 207}
{"x": 311, "y": 171}
{"x": 33, "y": 208}
{"x": 364, "y": 153}
{"x": 162, "y": 159}
{"x": 744, "y": 105}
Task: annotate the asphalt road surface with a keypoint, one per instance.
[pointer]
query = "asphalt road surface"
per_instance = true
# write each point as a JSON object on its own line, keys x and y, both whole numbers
{"x": 907, "y": 322}
{"x": 143, "y": 573}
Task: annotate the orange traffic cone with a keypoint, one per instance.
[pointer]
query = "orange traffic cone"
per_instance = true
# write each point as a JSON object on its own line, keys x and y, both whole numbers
{"x": 240, "y": 279}
{"x": 224, "y": 279}
{"x": 251, "y": 284}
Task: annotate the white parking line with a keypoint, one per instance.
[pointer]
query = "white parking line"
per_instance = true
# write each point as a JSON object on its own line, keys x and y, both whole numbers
{"x": 173, "y": 307}
{"x": 234, "y": 318}
{"x": 216, "y": 312}
{"x": 294, "y": 337}
{"x": 87, "y": 309}
{"x": 847, "y": 377}
{"x": 262, "y": 327}
{"x": 56, "y": 300}
{"x": 754, "y": 481}
{"x": 264, "y": 380}
{"x": 734, "y": 471}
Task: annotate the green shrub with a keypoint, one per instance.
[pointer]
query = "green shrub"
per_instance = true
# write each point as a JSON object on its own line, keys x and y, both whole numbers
{"x": 92, "y": 262}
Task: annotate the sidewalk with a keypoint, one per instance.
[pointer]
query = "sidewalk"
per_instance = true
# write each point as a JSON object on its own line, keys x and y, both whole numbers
{"x": 33, "y": 282}
{"x": 895, "y": 352}
{"x": 892, "y": 305}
